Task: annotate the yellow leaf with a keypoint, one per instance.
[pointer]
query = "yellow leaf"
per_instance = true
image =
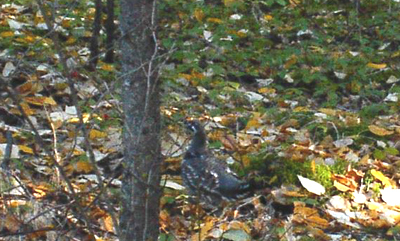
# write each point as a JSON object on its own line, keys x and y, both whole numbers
{"x": 7, "y": 34}
{"x": 327, "y": 111}
{"x": 205, "y": 229}
{"x": 376, "y": 66}
{"x": 241, "y": 34}
{"x": 228, "y": 3}
{"x": 50, "y": 101}
{"x": 71, "y": 40}
{"x": 214, "y": 20}
{"x": 108, "y": 223}
{"x": 373, "y": 206}
{"x": 40, "y": 100}
{"x": 379, "y": 175}
{"x": 341, "y": 187}
{"x": 266, "y": 90}
{"x": 30, "y": 39}
{"x": 87, "y": 34}
{"x": 301, "y": 109}
{"x": 313, "y": 166}
{"x": 77, "y": 152}
{"x": 268, "y": 17}
{"x": 237, "y": 225}
{"x": 199, "y": 14}
{"x": 83, "y": 166}
{"x": 25, "y": 149}
{"x": 253, "y": 123}
{"x": 107, "y": 67}
{"x": 28, "y": 111}
{"x": 291, "y": 61}
{"x": 395, "y": 54}
{"x": 57, "y": 124}
{"x": 28, "y": 87}
{"x": 379, "y": 131}
{"x": 95, "y": 134}
{"x": 66, "y": 23}
{"x": 246, "y": 160}
{"x": 85, "y": 117}
{"x": 294, "y": 3}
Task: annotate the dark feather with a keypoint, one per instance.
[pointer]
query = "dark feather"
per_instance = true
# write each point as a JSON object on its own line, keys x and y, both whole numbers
{"x": 206, "y": 176}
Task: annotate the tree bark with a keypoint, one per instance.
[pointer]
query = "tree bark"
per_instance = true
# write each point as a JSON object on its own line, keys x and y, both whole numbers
{"x": 94, "y": 41}
{"x": 110, "y": 27}
{"x": 141, "y": 102}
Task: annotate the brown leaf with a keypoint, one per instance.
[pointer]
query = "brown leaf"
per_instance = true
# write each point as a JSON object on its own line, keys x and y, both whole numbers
{"x": 229, "y": 142}
{"x": 344, "y": 183}
{"x": 29, "y": 87}
{"x": 83, "y": 166}
{"x": 10, "y": 222}
{"x": 214, "y": 20}
{"x": 199, "y": 14}
{"x": 291, "y": 61}
{"x": 40, "y": 100}
{"x": 205, "y": 229}
{"x": 309, "y": 216}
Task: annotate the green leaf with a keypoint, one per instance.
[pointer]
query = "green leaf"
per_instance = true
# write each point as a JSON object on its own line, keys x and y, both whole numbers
{"x": 236, "y": 235}
{"x": 378, "y": 154}
{"x": 392, "y": 151}
{"x": 281, "y": 2}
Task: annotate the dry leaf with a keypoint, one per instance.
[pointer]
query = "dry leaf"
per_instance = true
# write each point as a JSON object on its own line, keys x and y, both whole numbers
{"x": 309, "y": 217}
{"x": 344, "y": 183}
{"x": 311, "y": 186}
{"x": 29, "y": 87}
{"x": 205, "y": 229}
{"x": 107, "y": 67}
{"x": 327, "y": 111}
{"x": 291, "y": 61}
{"x": 376, "y": 66}
{"x": 95, "y": 134}
{"x": 228, "y": 3}
{"x": 379, "y": 131}
{"x": 341, "y": 187}
{"x": 25, "y": 149}
{"x": 268, "y": 17}
{"x": 8, "y": 69}
{"x": 199, "y": 14}
{"x": 379, "y": 175}
{"x": 40, "y": 100}
{"x": 11, "y": 223}
{"x": 83, "y": 166}
{"x": 6, "y": 34}
{"x": 214, "y": 20}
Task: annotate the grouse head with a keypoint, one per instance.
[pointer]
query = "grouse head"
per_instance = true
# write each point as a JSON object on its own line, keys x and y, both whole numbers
{"x": 199, "y": 139}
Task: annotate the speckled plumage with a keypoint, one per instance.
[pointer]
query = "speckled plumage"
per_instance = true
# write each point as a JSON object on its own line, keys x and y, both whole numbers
{"x": 206, "y": 176}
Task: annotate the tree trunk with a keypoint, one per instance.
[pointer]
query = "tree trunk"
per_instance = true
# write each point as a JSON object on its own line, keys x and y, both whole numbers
{"x": 110, "y": 26}
{"x": 94, "y": 41}
{"x": 141, "y": 102}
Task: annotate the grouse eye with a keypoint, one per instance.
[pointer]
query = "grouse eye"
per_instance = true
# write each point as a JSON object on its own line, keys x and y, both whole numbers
{"x": 193, "y": 125}
{"x": 193, "y": 128}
